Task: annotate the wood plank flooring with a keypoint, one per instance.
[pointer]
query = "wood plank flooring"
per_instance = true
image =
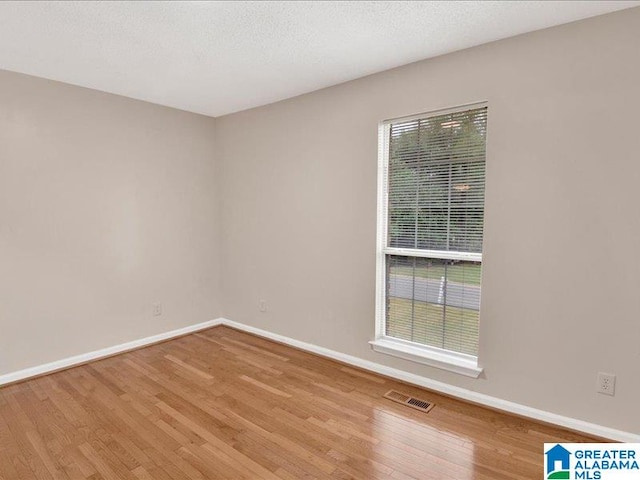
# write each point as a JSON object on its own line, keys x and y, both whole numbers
{"x": 225, "y": 404}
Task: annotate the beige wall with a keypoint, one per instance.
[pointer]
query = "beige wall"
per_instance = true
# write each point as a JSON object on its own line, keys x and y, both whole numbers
{"x": 561, "y": 282}
{"x": 107, "y": 206}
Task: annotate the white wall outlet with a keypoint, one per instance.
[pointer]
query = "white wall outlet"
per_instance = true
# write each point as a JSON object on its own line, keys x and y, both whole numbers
{"x": 157, "y": 309}
{"x": 606, "y": 383}
{"x": 262, "y": 305}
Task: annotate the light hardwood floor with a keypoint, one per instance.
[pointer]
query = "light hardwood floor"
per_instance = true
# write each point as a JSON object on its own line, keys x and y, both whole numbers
{"x": 225, "y": 404}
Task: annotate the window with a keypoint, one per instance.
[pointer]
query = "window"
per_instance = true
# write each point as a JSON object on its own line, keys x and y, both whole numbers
{"x": 431, "y": 214}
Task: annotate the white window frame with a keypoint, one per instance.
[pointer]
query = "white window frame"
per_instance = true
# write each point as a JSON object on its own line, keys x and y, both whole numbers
{"x": 461, "y": 363}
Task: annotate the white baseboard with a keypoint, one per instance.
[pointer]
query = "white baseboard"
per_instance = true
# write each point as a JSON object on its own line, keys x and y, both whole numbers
{"x": 453, "y": 391}
{"x": 461, "y": 393}
{"x": 102, "y": 353}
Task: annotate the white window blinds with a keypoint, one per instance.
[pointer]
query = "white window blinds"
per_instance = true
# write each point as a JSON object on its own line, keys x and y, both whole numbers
{"x": 433, "y": 224}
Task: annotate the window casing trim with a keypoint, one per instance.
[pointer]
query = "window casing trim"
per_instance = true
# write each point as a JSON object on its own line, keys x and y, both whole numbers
{"x": 452, "y": 361}
{"x": 435, "y": 357}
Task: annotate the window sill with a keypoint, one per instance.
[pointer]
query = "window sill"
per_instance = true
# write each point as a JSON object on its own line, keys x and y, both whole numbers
{"x": 434, "y": 357}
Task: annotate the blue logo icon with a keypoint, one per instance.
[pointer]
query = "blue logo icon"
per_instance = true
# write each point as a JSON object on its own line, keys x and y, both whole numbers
{"x": 558, "y": 463}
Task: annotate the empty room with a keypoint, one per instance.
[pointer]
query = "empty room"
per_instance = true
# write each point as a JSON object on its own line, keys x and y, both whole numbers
{"x": 298, "y": 240}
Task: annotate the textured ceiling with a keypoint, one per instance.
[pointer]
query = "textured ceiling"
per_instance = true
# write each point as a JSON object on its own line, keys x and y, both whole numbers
{"x": 220, "y": 57}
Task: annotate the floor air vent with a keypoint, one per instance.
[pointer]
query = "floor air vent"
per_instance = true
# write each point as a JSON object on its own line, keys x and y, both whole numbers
{"x": 412, "y": 402}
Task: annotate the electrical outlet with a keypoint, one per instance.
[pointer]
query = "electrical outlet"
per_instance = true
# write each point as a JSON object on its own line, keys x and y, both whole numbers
{"x": 262, "y": 305}
{"x": 606, "y": 383}
{"x": 157, "y": 309}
